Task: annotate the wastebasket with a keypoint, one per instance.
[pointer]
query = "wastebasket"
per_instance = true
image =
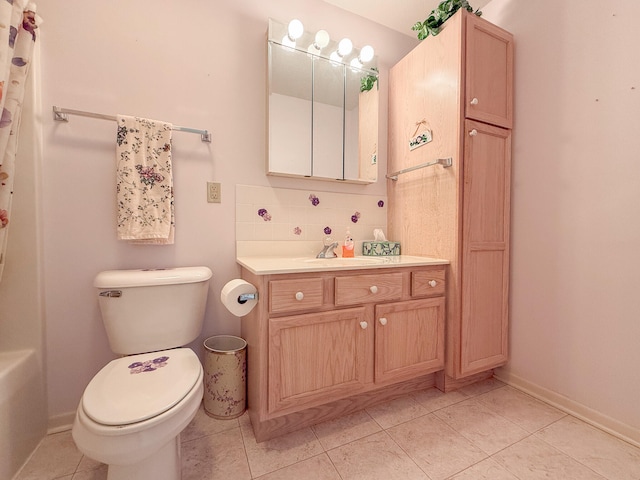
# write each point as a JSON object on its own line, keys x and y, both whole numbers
{"x": 225, "y": 376}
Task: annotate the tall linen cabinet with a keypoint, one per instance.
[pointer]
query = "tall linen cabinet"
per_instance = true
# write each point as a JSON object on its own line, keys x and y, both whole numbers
{"x": 459, "y": 86}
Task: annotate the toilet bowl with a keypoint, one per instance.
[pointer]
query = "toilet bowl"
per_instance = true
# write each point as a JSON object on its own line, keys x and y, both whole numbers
{"x": 133, "y": 411}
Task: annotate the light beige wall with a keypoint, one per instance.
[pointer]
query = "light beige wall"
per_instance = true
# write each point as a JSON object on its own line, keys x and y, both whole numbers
{"x": 199, "y": 64}
{"x": 576, "y": 204}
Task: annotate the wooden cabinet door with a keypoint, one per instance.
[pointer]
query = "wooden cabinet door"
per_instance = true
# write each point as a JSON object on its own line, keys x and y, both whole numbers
{"x": 489, "y": 73}
{"x": 485, "y": 248}
{"x": 409, "y": 339}
{"x": 316, "y": 358}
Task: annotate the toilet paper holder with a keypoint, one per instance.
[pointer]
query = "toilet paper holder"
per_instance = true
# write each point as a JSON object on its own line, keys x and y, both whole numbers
{"x": 245, "y": 297}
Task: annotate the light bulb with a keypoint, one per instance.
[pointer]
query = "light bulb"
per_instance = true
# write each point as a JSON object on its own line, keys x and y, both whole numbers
{"x": 355, "y": 63}
{"x": 344, "y": 47}
{"x": 321, "y": 39}
{"x": 295, "y": 29}
{"x": 366, "y": 54}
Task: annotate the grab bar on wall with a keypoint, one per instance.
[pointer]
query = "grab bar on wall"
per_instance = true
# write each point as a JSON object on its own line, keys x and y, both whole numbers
{"x": 445, "y": 162}
{"x": 62, "y": 115}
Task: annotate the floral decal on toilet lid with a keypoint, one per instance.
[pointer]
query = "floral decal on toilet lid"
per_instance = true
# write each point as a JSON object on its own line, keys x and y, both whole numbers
{"x": 148, "y": 366}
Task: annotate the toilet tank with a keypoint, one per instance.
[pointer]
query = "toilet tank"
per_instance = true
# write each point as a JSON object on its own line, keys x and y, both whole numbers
{"x": 151, "y": 310}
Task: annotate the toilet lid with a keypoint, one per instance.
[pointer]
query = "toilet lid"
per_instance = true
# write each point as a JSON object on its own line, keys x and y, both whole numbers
{"x": 138, "y": 387}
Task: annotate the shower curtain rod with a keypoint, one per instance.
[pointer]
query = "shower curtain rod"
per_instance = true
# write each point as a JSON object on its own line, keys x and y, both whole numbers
{"x": 62, "y": 115}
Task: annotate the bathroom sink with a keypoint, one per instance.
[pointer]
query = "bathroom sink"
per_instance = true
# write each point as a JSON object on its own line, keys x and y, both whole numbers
{"x": 345, "y": 262}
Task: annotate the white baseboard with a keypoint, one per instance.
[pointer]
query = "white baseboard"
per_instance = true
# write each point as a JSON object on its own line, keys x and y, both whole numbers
{"x": 603, "y": 422}
{"x": 60, "y": 423}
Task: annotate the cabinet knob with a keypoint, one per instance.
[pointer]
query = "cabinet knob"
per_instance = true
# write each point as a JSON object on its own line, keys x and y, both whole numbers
{"x": 432, "y": 283}
{"x": 473, "y": 132}
{"x": 474, "y": 101}
{"x": 363, "y": 325}
{"x": 383, "y": 321}
{"x": 373, "y": 289}
{"x": 299, "y": 296}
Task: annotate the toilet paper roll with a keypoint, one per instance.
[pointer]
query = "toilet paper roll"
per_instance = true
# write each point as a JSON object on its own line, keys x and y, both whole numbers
{"x": 230, "y": 297}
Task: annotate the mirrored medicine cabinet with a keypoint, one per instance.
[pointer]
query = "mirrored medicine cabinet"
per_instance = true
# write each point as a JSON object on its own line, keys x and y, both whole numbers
{"x": 322, "y": 113}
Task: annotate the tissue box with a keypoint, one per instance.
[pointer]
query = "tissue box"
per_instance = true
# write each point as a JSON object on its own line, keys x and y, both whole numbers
{"x": 380, "y": 249}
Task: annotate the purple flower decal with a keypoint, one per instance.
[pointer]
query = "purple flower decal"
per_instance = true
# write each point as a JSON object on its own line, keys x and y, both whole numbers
{"x": 297, "y": 230}
{"x": 148, "y": 176}
{"x": 380, "y": 203}
{"x": 264, "y": 214}
{"x": 355, "y": 217}
{"x": 314, "y": 200}
{"x": 148, "y": 366}
{"x": 327, "y": 231}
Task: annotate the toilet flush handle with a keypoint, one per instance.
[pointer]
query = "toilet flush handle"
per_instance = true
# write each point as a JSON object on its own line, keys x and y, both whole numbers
{"x": 111, "y": 293}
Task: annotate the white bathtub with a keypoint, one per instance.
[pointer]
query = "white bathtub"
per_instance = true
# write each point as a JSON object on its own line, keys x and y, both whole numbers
{"x": 21, "y": 409}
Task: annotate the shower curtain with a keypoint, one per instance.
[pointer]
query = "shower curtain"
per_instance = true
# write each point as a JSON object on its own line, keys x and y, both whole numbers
{"x": 17, "y": 40}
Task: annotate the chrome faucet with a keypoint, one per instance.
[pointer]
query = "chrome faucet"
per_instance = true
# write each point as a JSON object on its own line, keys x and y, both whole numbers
{"x": 327, "y": 250}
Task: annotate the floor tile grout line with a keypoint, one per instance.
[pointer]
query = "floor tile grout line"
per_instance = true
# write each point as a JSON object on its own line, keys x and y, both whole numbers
{"x": 560, "y": 450}
{"x": 406, "y": 453}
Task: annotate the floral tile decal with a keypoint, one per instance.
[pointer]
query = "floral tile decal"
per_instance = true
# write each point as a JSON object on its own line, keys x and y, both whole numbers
{"x": 327, "y": 230}
{"x": 314, "y": 200}
{"x": 264, "y": 214}
{"x": 355, "y": 217}
{"x": 148, "y": 366}
{"x": 381, "y": 203}
{"x": 297, "y": 231}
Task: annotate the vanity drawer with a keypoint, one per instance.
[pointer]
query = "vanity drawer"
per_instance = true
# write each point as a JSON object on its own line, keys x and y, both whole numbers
{"x": 294, "y": 295}
{"x": 428, "y": 283}
{"x": 356, "y": 290}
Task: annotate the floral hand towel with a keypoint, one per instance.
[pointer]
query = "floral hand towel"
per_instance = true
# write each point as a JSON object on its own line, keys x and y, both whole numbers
{"x": 144, "y": 181}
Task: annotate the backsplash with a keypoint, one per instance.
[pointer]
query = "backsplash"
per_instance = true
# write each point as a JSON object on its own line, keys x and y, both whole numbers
{"x": 280, "y": 214}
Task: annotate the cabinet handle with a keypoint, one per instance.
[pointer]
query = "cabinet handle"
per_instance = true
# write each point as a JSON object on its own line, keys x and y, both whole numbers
{"x": 363, "y": 325}
{"x": 473, "y": 132}
{"x": 373, "y": 289}
{"x": 383, "y": 321}
{"x": 299, "y": 296}
{"x": 474, "y": 101}
{"x": 433, "y": 283}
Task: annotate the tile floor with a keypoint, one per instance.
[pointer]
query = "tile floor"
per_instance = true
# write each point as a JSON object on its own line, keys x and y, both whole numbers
{"x": 485, "y": 431}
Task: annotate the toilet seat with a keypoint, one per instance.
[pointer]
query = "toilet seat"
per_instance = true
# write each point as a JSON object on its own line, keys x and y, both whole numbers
{"x": 139, "y": 387}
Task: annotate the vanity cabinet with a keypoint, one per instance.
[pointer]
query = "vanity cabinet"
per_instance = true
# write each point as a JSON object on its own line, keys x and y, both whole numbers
{"x": 459, "y": 85}
{"x": 321, "y": 345}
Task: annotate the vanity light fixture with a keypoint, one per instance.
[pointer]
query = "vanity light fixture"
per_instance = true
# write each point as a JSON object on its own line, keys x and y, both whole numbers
{"x": 343, "y": 51}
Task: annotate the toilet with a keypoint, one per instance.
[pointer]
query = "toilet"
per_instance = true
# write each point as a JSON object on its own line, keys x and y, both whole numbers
{"x": 132, "y": 412}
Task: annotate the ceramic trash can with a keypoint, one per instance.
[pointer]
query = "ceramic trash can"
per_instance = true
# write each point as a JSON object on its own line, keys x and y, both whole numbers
{"x": 225, "y": 376}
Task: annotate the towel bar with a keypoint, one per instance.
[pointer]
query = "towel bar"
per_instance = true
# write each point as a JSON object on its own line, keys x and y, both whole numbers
{"x": 445, "y": 162}
{"x": 62, "y": 115}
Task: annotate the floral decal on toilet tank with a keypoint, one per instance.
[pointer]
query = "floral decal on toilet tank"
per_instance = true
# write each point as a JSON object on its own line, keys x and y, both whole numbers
{"x": 148, "y": 366}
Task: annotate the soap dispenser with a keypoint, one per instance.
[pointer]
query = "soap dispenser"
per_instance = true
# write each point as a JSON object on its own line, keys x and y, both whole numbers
{"x": 347, "y": 248}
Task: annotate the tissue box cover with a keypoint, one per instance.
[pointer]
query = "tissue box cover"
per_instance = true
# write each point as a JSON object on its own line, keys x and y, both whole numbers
{"x": 379, "y": 249}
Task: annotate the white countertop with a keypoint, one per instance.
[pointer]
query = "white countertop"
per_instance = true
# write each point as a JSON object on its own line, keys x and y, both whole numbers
{"x": 267, "y": 265}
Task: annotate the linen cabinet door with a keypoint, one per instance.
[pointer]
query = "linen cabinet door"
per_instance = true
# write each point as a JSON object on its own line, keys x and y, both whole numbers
{"x": 485, "y": 250}
{"x": 489, "y": 73}
{"x": 409, "y": 339}
{"x": 316, "y": 358}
